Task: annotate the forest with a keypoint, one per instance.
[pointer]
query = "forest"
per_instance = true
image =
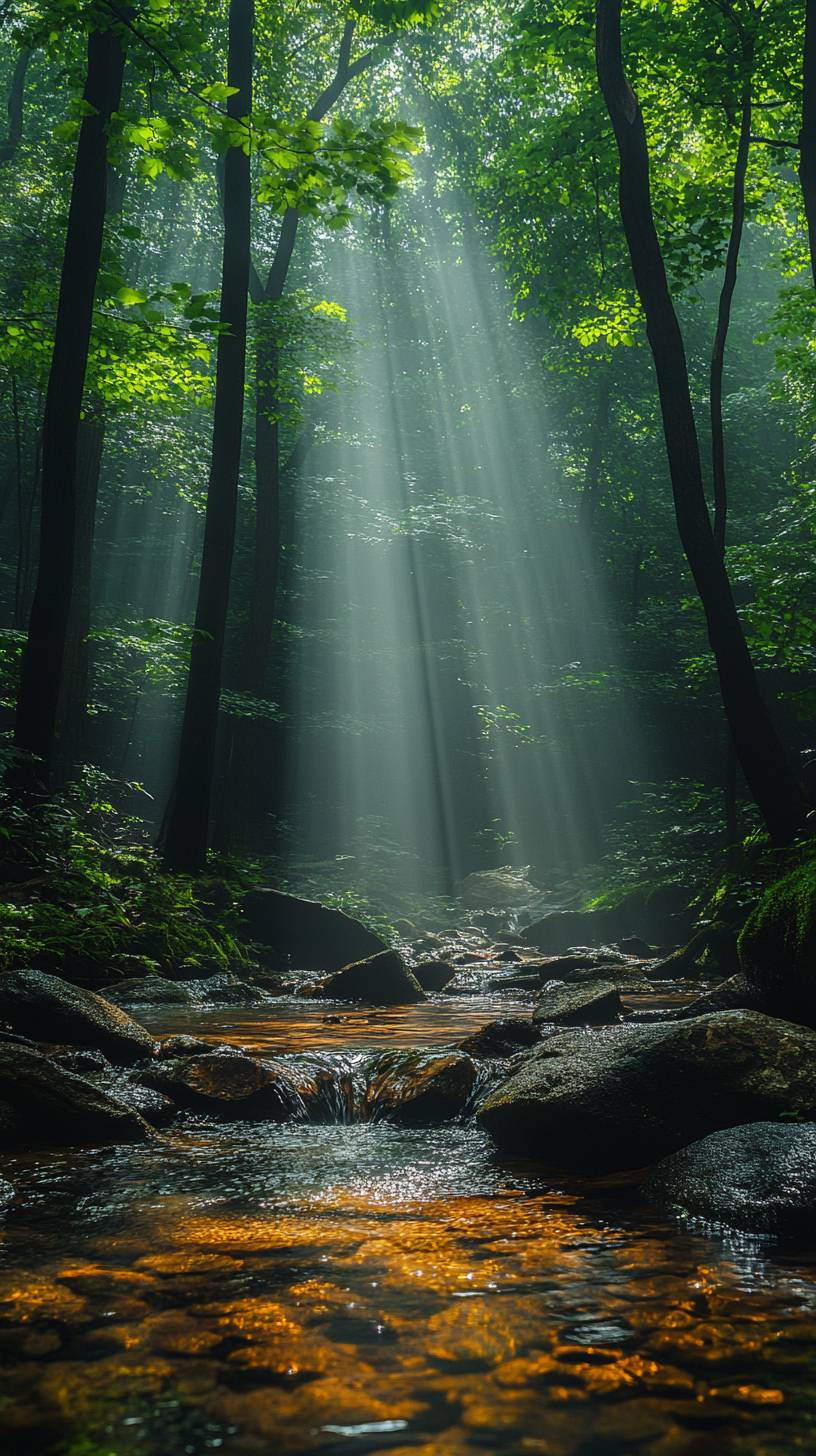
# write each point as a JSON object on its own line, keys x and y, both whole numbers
{"x": 407, "y": 727}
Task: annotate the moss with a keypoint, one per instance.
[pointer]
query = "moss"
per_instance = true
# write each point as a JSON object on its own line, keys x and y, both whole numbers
{"x": 777, "y": 945}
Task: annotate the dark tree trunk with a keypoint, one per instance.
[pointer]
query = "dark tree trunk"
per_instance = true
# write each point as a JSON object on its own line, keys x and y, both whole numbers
{"x": 16, "y": 96}
{"x": 729, "y": 283}
{"x": 73, "y": 707}
{"x": 187, "y": 824}
{"x": 770, "y": 778}
{"x": 807, "y": 136}
{"x": 42, "y": 665}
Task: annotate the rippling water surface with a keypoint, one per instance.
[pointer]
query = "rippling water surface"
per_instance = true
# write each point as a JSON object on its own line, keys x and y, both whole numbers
{"x": 344, "y": 1289}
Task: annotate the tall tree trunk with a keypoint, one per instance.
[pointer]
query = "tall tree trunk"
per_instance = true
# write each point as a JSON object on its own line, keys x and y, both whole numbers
{"x": 187, "y": 824}
{"x": 42, "y": 665}
{"x": 770, "y": 778}
{"x": 807, "y": 136}
{"x": 16, "y": 96}
{"x": 729, "y": 283}
{"x": 73, "y": 706}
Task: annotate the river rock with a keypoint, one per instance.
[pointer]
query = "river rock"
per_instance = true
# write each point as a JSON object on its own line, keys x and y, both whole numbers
{"x": 435, "y": 975}
{"x": 310, "y": 936}
{"x": 504, "y": 889}
{"x": 53, "y": 1010}
{"x": 41, "y": 1104}
{"x": 227, "y": 1081}
{"x": 595, "y": 1004}
{"x": 219, "y": 990}
{"x": 417, "y": 1087}
{"x": 621, "y": 1097}
{"x": 760, "y": 1178}
{"x": 777, "y": 946}
{"x": 381, "y": 980}
{"x": 502, "y": 1038}
{"x": 6, "y": 1195}
{"x": 660, "y": 914}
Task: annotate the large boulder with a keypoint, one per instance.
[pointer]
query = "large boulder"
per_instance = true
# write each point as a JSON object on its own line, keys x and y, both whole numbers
{"x": 418, "y": 1087}
{"x": 229, "y": 1082}
{"x": 777, "y": 947}
{"x": 594, "y": 1004}
{"x": 49, "y": 1009}
{"x": 381, "y": 980}
{"x": 43, "y": 1105}
{"x": 659, "y": 914}
{"x": 621, "y": 1097}
{"x": 310, "y": 936}
{"x": 760, "y": 1178}
{"x": 219, "y": 990}
{"x": 504, "y": 889}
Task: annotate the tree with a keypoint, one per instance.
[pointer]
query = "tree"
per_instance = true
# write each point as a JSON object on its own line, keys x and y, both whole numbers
{"x": 43, "y": 658}
{"x": 807, "y": 135}
{"x": 775, "y": 788}
{"x": 186, "y": 831}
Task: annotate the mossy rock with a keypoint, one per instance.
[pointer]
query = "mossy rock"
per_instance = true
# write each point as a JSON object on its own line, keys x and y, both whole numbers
{"x": 777, "y": 946}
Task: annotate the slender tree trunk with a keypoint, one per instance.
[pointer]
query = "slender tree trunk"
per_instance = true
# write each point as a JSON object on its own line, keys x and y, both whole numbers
{"x": 42, "y": 666}
{"x": 187, "y": 824}
{"x": 16, "y": 96}
{"x": 770, "y": 778}
{"x": 729, "y": 283}
{"x": 807, "y": 136}
{"x": 73, "y": 707}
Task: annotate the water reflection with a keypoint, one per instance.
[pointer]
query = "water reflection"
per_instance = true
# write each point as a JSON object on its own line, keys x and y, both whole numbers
{"x": 364, "y": 1288}
{"x": 295, "y": 1023}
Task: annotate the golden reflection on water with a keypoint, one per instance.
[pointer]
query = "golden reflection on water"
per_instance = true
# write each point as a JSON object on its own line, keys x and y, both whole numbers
{"x": 510, "y": 1323}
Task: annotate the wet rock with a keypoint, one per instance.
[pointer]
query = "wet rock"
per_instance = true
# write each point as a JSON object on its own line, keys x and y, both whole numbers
{"x": 416, "y": 1087}
{"x": 227, "y": 1081}
{"x": 218, "y": 990}
{"x": 620, "y": 1097}
{"x": 435, "y": 975}
{"x": 82, "y": 1062}
{"x": 181, "y": 1045}
{"x": 53, "y": 1010}
{"x": 731, "y": 995}
{"x": 777, "y": 946}
{"x": 497, "y": 890}
{"x": 310, "y": 936}
{"x": 760, "y": 1178}
{"x": 634, "y": 945}
{"x": 43, "y": 1105}
{"x": 381, "y": 980}
{"x": 6, "y": 1195}
{"x": 595, "y": 1004}
{"x": 501, "y": 1038}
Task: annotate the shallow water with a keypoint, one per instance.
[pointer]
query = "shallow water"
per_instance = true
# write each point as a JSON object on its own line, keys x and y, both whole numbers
{"x": 257, "y": 1289}
{"x": 293, "y": 1023}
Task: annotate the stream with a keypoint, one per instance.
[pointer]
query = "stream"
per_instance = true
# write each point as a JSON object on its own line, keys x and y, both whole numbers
{"x": 256, "y": 1288}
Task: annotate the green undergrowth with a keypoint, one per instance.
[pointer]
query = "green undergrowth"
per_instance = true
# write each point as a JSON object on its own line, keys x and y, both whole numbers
{"x": 83, "y": 892}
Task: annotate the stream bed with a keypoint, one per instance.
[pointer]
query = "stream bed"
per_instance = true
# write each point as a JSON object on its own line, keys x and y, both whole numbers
{"x": 256, "y": 1288}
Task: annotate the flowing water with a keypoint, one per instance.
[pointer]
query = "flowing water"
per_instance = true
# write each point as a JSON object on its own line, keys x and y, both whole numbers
{"x": 258, "y": 1289}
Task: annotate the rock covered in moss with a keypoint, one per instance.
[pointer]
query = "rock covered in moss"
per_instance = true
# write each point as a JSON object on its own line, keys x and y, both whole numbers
{"x": 416, "y": 1087}
{"x": 381, "y": 980}
{"x": 621, "y": 1097}
{"x": 777, "y": 947}
{"x": 219, "y": 990}
{"x": 53, "y": 1010}
{"x": 595, "y": 1003}
{"x": 760, "y": 1178}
